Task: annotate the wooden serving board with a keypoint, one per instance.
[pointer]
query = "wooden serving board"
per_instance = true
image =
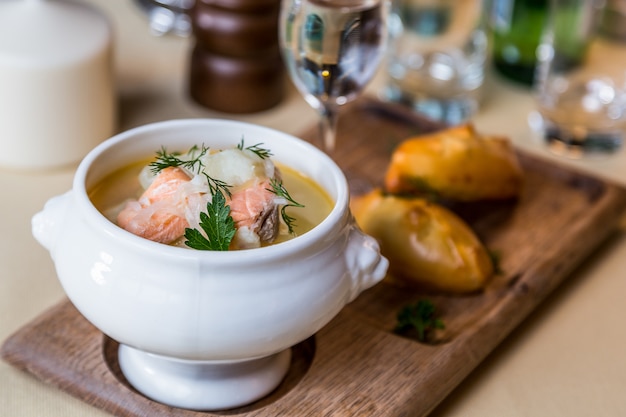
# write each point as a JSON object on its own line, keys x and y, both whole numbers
{"x": 356, "y": 365}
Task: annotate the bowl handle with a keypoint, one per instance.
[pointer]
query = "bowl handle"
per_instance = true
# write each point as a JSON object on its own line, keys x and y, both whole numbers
{"x": 47, "y": 224}
{"x": 365, "y": 263}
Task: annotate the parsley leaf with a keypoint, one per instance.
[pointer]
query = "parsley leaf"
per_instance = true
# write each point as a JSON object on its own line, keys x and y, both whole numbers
{"x": 418, "y": 317}
{"x": 218, "y": 225}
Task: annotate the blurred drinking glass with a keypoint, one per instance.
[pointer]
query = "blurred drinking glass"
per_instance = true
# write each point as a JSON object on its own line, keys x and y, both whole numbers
{"x": 332, "y": 49}
{"x": 581, "y": 81}
{"x": 437, "y": 56}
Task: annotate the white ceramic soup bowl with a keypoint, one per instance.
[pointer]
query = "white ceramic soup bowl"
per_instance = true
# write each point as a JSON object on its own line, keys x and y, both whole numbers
{"x": 200, "y": 329}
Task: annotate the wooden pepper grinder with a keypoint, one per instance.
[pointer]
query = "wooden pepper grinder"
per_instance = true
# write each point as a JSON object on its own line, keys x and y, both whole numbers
{"x": 236, "y": 65}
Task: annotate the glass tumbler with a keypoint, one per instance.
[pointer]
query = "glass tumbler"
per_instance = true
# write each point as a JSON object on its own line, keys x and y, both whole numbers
{"x": 436, "y": 57}
{"x": 580, "y": 81}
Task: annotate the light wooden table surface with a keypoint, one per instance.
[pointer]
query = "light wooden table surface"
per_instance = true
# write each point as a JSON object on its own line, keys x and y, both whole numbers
{"x": 567, "y": 359}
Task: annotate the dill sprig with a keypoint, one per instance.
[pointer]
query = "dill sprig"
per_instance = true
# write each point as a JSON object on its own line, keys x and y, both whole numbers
{"x": 279, "y": 189}
{"x": 194, "y": 164}
{"x": 262, "y": 153}
{"x": 216, "y": 186}
{"x": 167, "y": 159}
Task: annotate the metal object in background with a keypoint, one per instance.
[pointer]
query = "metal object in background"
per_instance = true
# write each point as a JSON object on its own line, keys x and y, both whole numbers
{"x": 167, "y": 16}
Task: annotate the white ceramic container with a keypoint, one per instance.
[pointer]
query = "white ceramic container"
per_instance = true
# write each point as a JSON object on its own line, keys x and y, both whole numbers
{"x": 199, "y": 329}
{"x": 57, "y": 84}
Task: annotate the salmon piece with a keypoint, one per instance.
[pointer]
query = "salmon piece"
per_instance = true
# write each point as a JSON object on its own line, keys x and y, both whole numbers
{"x": 158, "y": 215}
{"x": 165, "y": 184}
{"x": 255, "y": 208}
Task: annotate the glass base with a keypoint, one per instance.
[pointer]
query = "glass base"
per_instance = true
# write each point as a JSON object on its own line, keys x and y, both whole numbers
{"x": 562, "y": 143}
{"x": 448, "y": 111}
{"x": 576, "y": 144}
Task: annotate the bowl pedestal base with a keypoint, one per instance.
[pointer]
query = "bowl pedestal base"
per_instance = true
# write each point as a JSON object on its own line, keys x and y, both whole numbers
{"x": 202, "y": 385}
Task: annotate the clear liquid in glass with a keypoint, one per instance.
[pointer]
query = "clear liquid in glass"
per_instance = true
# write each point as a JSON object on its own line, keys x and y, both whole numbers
{"x": 332, "y": 49}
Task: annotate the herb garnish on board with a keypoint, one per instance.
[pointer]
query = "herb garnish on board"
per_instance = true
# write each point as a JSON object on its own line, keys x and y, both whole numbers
{"x": 419, "y": 318}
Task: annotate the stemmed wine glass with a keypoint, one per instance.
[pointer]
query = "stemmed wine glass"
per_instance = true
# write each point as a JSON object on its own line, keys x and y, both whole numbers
{"x": 332, "y": 49}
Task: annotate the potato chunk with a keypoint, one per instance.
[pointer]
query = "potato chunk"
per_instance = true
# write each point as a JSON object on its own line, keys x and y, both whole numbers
{"x": 426, "y": 244}
{"x": 456, "y": 164}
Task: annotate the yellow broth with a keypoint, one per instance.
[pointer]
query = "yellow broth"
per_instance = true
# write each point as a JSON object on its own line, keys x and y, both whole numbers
{"x": 112, "y": 192}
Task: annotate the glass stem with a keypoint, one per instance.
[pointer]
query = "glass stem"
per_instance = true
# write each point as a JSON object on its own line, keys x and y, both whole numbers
{"x": 328, "y": 128}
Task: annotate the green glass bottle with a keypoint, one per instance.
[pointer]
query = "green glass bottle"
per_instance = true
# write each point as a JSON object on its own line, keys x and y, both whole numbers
{"x": 517, "y": 27}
